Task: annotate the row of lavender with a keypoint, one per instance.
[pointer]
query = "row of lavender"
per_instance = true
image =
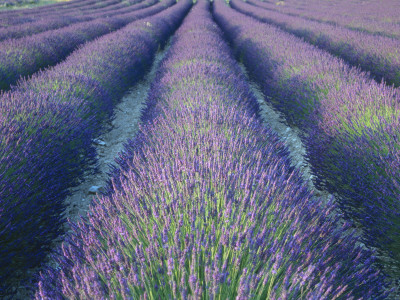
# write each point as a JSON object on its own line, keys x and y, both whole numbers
{"x": 376, "y": 54}
{"x": 47, "y": 126}
{"x": 53, "y": 21}
{"x": 375, "y": 17}
{"x": 205, "y": 204}
{"x": 29, "y": 15}
{"x": 350, "y": 122}
{"x": 23, "y": 57}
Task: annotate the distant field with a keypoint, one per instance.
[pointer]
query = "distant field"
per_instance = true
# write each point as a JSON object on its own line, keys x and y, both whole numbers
{"x": 18, "y": 4}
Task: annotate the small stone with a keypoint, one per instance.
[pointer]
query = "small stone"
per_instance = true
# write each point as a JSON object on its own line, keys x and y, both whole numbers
{"x": 99, "y": 142}
{"x": 318, "y": 193}
{"x": 95, "y": 189}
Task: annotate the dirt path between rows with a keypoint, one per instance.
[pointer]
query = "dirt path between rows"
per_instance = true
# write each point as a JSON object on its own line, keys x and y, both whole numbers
{"x": 123, "y": 126}
{"x": 289, "y": 135}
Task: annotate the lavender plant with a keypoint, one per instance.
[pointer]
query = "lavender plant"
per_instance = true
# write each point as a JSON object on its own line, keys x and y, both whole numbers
{"x": 376, "y": 54}
{"x": 205, "y": 204}
{"x": 350, "y": 122}
{"x": 47, "y": 126}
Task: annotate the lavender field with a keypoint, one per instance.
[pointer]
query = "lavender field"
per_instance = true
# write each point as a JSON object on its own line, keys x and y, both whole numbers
{"x": 241, "y": 149}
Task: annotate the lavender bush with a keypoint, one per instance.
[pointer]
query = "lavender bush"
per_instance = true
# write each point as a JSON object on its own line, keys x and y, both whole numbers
{"x": 376, "y": 54}
{"x": 350, "y": 122}
{"x": 47, "y": 125}
{"x": 22, "y": 57}
{"x": 205, "y": 204}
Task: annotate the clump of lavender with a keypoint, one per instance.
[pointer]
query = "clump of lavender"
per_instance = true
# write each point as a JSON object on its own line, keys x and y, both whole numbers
{"x": 205, "y": 204}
